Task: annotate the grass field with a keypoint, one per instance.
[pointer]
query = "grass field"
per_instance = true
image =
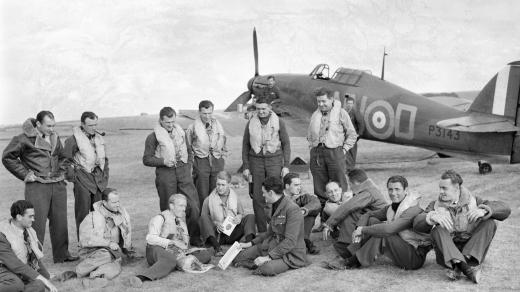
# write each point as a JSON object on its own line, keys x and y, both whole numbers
{"x": 501, "y": 270}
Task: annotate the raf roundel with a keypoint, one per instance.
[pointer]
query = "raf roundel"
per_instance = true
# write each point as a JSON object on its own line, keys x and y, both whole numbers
{"x": 379, "y": 119}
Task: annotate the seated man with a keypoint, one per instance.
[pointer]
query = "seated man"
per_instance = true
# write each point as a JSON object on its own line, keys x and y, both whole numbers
{"x": 104, "y": 235}
{"x": 221, "y": 203}
{"x": 393, "y": 238}
{"x": 309, "y": 205}
{"x": 282, "y": 247}
{"x": 462, "y": 226}
{"x": 167, "y": 243}
{"x": 20, "y": 252}
{"x": 367, "y": 197}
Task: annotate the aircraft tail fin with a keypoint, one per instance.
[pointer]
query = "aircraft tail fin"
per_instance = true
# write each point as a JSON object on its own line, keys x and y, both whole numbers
{"x": 500, "y": 95}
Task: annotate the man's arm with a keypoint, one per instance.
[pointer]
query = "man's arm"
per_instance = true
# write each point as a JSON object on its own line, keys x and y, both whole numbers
{"x": 348, "y": 129}
{"x": 12, "y": 262}
{"x": 405, "y": 221}
{"x": 357, "y": 202}
{"x": 149, "y": 158}
{"x": 11, "y": 158}
{"x": 420, "y": 224}
{"x": 154, "y": 231}
{"x": 495, "y": 209}
{"x": 188, "y": 148}
{"x": 378, "y": 214}
{"x": 246, "y": 146}
{"x": 360, "y": 122}
{"x": 286, "y": 144}
{"x": 312, "y": 205}
{"x": 292, "y": 229}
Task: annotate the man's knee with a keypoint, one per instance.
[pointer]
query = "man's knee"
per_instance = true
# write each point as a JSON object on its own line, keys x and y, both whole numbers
{"x": 489, "y": 225}
{"x": 12, "y": 284}
{"x": 38, "y": 286}
{"x": 438, "y": 233}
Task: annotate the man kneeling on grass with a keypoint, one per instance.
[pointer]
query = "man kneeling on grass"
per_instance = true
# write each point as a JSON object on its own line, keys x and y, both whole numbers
{"x": 393, "y": 238}
{"x": 223, "y": 202}
{"x": 462, "y": 227}
{"x": 168, "y": 245}
{"x": 282, "y": 247}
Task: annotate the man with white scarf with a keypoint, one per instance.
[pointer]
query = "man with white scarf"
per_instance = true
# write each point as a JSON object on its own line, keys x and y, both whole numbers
{"x": 221, "y": 203}
{"x": 21, "y": 268}
{"x": 166, "y": 149}
{"x": 208, "y": 144}
{"x": 388, "y": 231}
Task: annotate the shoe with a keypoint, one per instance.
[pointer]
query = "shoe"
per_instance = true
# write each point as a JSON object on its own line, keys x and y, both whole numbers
{"x": 69, "y": 258}
{"x": 454, "y": 274}
{"x": 318, "y": 229}
{"x": 336, "y": 265}
{"x": 132, "y": 281}
{"x": 472, "y": 273}
{"x": 352, "y": 263}
{"x": 246, "y": 264}
{"x": 311, "y": 248}
{"x": 95, "y": 283}
{"x": 219, "y": 252}
{"x": 65, "y": 276}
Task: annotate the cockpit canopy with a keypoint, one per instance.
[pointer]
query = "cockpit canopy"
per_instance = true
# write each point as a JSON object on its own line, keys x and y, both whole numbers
{"x": 342, "y": 75}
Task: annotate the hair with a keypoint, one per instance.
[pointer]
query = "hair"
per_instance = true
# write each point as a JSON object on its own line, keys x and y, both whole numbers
{"x": 206, "y": 104}
{"x": 262, "y": 99}
{"x": 357, "y": 175}
{"x": 398, "y": 179}
{"x": 251, "y": 108}
{"x": 287, "y": 179}
{"x": 167, "y": 112}
{"x": 88, "y": 115}
{"x": 332, "y": 182}
{"x": 320, "y": 91}
{"x": 41, "y": 115}
{"x": 176, "y": 197}
{"x": 106, "y": 192}
{"x": 273, "y": 184}
{"x": 271, "y": 77}
{"x": 19, "y": 207}
{"x": 453, "y": 176}
{"x": 348, "y": 97}
{"x": 224, "y": 175}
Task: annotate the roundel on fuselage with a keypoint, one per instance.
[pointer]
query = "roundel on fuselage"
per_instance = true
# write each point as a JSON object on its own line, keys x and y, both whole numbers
{"x": 379, "y": 119}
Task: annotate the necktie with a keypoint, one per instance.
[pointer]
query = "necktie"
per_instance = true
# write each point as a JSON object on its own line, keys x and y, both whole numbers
{"x": 32, "y": 260}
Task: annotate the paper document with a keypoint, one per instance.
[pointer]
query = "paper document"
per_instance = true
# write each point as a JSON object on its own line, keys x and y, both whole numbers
{"x": 228, "y": 225}
{"x": 230, "y": 255}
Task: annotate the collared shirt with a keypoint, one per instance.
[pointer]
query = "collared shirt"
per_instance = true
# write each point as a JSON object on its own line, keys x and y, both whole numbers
{"x": 276, "y": 204}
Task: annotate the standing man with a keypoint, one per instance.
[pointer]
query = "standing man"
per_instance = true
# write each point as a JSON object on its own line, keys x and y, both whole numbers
{"x": 208, "y": 144}
{"x": 388, "y": 231}
{"x": 36, "y": 157}
{"x": 266, "y": 151}
{"x": 309, "y": 206}
{"x": 20, "y": 253}
{"x": 331, "y": 135}
{"x": 223, "y": 202}
{"x": 88, "y": 165}
{"x": 282, "y": 247}
{"x": 166, "y": 149}
{"x": 462, "y": 227}
{"x": 359, "y": 126}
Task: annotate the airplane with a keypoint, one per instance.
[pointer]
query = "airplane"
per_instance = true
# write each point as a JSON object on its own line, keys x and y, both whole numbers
{"x": 486, "y": 129}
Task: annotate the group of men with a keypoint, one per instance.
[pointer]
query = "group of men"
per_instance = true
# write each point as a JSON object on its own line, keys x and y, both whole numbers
{"x": 195, "y": 199}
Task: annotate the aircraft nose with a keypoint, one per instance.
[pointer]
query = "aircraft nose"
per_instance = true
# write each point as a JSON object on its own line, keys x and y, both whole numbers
{"x": 250, "y": 84}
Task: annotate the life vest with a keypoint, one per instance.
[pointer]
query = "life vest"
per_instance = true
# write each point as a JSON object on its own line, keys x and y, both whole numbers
{"x": 459, "y": 212}
{"x": 171, "y": 149}
{"x": 89, "y": 155}
{"x": 204, "y": 141}
{"x": 218, "y": 210}
{"x": 334, "y": 134}
{"x": 266, "y": 137}
{"x": 413, "y": 238}
{"x": 172, "y": 230}
{"x": 17, "y": 242}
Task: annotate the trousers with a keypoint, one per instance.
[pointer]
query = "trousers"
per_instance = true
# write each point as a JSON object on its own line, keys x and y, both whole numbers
{"x": 327, "y": 164}
{"x": 9, "y": 282}
{"x": 246, "y": 227}
{"x": 99, "y": 263}
{"x": 205, "y": 175}
{"x": 271, "y": 268}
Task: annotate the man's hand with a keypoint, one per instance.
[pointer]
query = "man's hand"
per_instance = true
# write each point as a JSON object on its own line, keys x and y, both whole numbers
{"x": 244, "y": 245}
{"x": 177, "y": 243}
{"x": 326, "y": 232}
{"x": 344, "y": 151}
{"x": 285, "y": 171}
{"x": 443, "y": 219}
{"x": 47, "y": 283}
{"x": 169, "y": 163}
{"x": 30, "y": 177}
{"x": 475, "y": 214}
{"x": 246, "y": 174}
{"x": 357, "y": 235}
{"x": 236, "y": 220}
{"x": 113, "y": 245}
{"x": 219, "y": 226}
{"x": 348, "y": 195}
{"x": 261, "y": 260}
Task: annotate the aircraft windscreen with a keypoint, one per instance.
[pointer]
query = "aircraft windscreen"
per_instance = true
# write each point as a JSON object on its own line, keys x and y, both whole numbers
{"x": 347, "y": 76}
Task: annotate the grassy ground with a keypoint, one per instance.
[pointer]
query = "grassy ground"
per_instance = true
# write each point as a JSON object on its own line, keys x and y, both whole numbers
{"x": 136, "y": 184}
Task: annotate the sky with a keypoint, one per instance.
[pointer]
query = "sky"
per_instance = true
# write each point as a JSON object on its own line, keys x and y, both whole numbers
{"x": 127, "y": 57}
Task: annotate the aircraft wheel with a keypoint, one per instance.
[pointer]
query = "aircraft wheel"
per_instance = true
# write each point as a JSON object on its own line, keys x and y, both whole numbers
{"x": 484, "y": 167}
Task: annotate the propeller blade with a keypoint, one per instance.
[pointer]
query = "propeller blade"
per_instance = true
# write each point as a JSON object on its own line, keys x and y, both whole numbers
{"x": 243, "y": 99}
{"x": 255, "y": 51}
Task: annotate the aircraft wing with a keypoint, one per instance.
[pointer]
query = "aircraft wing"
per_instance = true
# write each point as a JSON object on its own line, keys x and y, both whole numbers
{"x": 479, "y": 123}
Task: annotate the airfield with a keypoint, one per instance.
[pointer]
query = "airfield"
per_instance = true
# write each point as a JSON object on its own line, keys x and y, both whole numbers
{"x": 135, "y": 183}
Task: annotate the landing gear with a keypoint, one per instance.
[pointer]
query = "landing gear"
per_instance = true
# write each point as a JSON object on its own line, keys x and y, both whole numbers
{"x": 484, "y": 167}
